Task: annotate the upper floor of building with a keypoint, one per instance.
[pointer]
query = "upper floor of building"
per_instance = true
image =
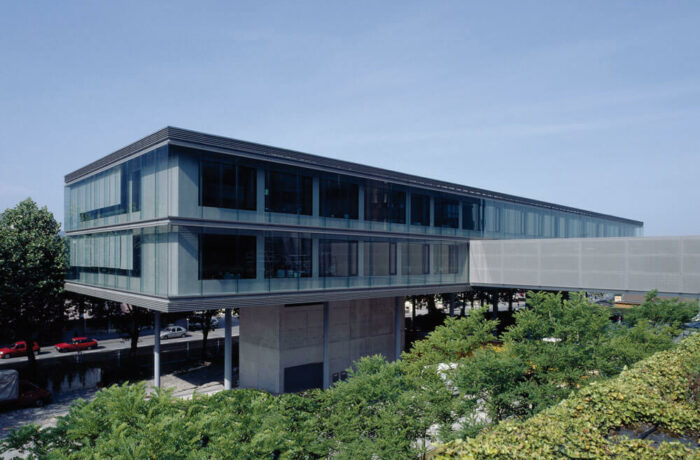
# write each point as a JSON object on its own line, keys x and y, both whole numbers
{"x": 181, "y": 177}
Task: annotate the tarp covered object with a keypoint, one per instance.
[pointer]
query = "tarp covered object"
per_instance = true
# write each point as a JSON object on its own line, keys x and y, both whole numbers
{"x": 9, "y": 384}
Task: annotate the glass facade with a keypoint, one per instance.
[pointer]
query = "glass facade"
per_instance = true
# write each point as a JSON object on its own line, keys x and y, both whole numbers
{"x": 380, "y": 233}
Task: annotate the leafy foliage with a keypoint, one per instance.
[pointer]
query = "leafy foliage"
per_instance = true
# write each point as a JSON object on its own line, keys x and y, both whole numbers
{"x": 451, "y": 385}
{"x": 662, "y": 311}
{"x": 32, "y": 266}
{"x": 657, "y": 391}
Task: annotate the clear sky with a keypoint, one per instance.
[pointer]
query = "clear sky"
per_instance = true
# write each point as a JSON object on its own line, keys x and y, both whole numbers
{"x": 589, "y": 104}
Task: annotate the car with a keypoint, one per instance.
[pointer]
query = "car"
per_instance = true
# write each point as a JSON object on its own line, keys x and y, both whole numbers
{"x": 196, "y": 326}
{"x": 173, "y": 332}
{"x": 16, "y": 393}
{"x": 77, "y": 344}
{"x": 17, "y": 349}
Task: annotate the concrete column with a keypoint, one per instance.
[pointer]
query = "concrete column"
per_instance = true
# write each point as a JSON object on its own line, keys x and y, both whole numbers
{"x": 156, "y": 351}
{"x": 228, "y": 362}
{"x": 326, "y": 362}
{"x": 452, "y": 304}
{"x": 432, "y": 211}
{"x": 398, "y": 325}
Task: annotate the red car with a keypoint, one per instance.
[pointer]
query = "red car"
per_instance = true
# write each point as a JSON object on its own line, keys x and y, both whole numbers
{"x": 77, "y": 344}
{"x": 29, "y": 395}
{"x": 17, "y": 349}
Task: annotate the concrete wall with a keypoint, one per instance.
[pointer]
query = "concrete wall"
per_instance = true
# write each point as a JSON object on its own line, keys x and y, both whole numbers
{"x": 669, "y": 264}
{"x": 276, "y": 337}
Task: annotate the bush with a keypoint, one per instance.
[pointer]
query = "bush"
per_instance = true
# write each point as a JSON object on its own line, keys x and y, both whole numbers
{"x": 656, "y": 391}
{"x": 384, "y": 410}
{"x": 662, "y": 311}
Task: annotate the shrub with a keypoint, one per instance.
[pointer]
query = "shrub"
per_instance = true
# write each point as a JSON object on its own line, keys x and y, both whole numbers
{"x": 657, "y": 391}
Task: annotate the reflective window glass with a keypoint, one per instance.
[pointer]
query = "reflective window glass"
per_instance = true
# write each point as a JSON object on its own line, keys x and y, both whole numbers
{"x": 446, "y": 212}
{"x": 337, "y": 258}
{"x": 384, "y": 205}
{"x": 380, "y": 258}
{"x": 339, "y": 198}
{"x": 287, "y": 257}
{"x": 288, "y": 192}
{"x": 473, "y": 214}
{"x": 226, "y": 256}
{"x": 420, "y": 209}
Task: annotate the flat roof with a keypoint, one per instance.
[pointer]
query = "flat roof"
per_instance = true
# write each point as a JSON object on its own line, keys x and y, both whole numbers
{"x": 179, "y": 136}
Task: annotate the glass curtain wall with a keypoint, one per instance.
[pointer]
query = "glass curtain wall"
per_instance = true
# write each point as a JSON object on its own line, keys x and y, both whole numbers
{"x": 131, "y": 260}
{"x": 131, "y": 191}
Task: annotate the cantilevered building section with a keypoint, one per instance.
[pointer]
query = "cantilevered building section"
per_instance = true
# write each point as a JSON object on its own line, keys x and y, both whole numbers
{"x": 317, "y": 252}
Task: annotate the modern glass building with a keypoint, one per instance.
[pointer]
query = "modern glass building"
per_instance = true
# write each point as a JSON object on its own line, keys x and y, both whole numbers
{"x": 182, "y": 220}
{"x": 318, "y": 253}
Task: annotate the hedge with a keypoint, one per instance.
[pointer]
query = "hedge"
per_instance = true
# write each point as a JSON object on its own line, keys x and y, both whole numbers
{"x": 662, "y": 390}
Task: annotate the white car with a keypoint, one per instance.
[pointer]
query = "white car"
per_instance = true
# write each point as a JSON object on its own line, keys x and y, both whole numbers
{"x": 173, "y": 332}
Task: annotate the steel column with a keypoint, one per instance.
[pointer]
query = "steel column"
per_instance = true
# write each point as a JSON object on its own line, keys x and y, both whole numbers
{"x": 326, "y": 363}
{"x": 228, "y": 362}
{"x": 399, "y": 315}
{"x": 156, "y": 351}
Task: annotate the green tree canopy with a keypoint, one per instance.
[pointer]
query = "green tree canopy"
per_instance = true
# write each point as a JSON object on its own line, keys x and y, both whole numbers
{"x": 32, "y": 266}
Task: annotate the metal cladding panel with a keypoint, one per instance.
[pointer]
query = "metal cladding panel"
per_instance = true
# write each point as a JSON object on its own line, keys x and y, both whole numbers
{"x": 669, "y": 264}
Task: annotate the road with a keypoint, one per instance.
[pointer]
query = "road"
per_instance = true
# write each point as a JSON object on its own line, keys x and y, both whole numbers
{"x": 112, "y": 345}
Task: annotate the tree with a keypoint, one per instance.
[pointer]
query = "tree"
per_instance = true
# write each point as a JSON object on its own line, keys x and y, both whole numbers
{"x": 663, "y": 311}
{"x": 32, "y": 267}
{"x": 203, "y": 320}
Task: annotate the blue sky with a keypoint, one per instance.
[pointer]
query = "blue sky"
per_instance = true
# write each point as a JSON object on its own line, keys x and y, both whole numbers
{"x": 589, "y": 104}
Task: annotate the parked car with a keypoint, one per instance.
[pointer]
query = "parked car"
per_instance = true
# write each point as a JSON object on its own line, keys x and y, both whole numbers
{"x": 173, "y": 332}
{"x": 77, "y": 344}
{"x": 196, "y": 326}
{"x": 15, "y": 393}
{"x": 17, "y": 349}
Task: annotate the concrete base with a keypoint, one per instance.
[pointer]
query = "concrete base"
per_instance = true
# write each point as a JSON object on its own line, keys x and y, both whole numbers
{"x": 276, "y": 338}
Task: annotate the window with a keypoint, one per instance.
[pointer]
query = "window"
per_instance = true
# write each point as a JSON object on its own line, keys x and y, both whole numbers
{"x": 226, "y": 256}
{"x": 288, "y": 192}
{"x": 337, "y": 258}
{"x": 135, "y": 180}
{"x": 420, "y": 209}
{"x": 473, "y": 214}
{"x": 380, "y": 258}
{"x": 446, "y": 212}
{"x": 339, "y": 198}
{"x": 453, "y": 259}
{"x": 415, "y": 258}
{"x": 227, "y": 185}
{"x": 385, "y": 205}
{"x": 287, "y": 257}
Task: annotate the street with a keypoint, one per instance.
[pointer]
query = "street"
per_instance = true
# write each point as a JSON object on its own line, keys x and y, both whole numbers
{"x": 112, "y": 345}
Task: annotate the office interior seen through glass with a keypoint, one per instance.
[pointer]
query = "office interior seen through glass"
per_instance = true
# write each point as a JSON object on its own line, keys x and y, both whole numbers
{"x": 227, "y": 217}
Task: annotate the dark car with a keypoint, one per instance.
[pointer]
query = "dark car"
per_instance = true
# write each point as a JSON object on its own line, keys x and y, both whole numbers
{"x": 17, "y": 349}
{"x": 77, "y": 344}
{"x": 16, "y": 393}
